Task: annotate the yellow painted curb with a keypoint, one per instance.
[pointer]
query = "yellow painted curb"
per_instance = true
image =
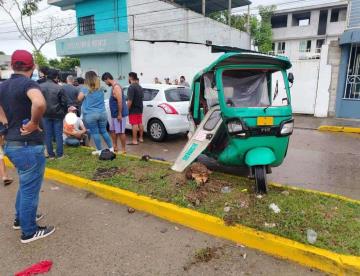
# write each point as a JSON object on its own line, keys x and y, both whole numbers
{"x": 321, "y": 259}
{"x": 340, "y": 129}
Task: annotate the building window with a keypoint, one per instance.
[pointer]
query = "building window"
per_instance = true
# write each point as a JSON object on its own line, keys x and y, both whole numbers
{"x": 281, "y": 47}
{"x": 305, "y": 46}
{"x": 301, "y": 19}
{"x": 319, "y": 44}
{"x": 352, "y": 87}
{"x": 338, "y": 15}
{"x": 279, "y": 21}
{"x": 86, "y": 25}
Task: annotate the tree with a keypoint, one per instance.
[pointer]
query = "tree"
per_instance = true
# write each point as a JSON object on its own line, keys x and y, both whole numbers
{"x": 40, "y": 59}
{"x": 43, "y": 32}
{"x": 262, "y": 30}
{"x": 2, "y": 53}
{"x": 65, "y": 64}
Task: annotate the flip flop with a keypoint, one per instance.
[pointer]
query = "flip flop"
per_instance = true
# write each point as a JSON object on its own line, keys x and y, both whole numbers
{"x": 132, "y": 144}
{"x": 8, "y": 181}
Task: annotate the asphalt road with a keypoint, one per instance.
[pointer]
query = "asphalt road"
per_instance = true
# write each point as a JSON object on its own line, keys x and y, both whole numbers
{"x": 323, "y": 161}
{"x": 96, "y": 237}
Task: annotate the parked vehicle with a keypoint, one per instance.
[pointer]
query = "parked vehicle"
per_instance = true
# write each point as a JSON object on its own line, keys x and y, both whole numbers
{"x": 166, "y": 108}
{"x": 241, "y": 114}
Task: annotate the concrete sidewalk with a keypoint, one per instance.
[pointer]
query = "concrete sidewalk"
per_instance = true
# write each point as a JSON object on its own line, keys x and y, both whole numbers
{"x": 96, "y": 237}
{"x": 311, "y": 122}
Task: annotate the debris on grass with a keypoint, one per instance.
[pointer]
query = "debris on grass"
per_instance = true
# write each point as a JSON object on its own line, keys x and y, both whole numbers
{"x": 270, "y": 225}
{"x": 311, "y": 236}
{"x": 131, "y": 210}
{"x": 199, "y": 172}
{"x": 285, "y": 193}
{"x": 104, "y": 173}
{"x": 225, "y": 190}
{"x": 227, "y": 209}
{"x": 275, "y": 208}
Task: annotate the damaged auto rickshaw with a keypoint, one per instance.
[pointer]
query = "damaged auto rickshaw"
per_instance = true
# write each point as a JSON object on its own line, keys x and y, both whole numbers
{"x": 240, "y": 114}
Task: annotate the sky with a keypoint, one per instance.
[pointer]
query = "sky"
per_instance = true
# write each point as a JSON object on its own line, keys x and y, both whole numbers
{"x": 10, "y": 39}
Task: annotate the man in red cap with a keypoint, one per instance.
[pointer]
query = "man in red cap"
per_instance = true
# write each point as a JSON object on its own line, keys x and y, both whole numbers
{"x": 23, "y": 105}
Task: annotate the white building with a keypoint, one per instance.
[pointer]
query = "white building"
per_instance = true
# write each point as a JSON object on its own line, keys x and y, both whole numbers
{"x": 299, "y": 33}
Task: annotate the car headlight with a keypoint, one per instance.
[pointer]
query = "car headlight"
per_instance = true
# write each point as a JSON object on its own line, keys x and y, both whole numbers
{"x": 287, "y": 128}
{"x": 234, "y": 127}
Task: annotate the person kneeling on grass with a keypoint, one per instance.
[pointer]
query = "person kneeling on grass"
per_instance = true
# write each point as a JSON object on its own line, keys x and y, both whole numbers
{"x": 74, "y": 132}
{"x": 119, "y": 112}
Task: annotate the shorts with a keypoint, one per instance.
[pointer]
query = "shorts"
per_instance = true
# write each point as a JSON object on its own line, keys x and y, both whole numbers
{"x": 116, "y": 126}
{"x": 135, "y": 119}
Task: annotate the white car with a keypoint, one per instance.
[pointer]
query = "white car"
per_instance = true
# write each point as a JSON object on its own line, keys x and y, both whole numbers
{"x": 166, "y": 108}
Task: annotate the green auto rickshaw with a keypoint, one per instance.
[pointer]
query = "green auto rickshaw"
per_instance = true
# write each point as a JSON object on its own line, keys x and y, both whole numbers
{"x": 240, "y": 114}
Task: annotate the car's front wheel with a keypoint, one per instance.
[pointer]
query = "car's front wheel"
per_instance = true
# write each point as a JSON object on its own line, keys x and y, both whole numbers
{"x": 156, "y": 130}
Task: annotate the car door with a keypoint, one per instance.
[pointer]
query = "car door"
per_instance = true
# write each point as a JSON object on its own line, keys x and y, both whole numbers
{"x": 149, "y": 104}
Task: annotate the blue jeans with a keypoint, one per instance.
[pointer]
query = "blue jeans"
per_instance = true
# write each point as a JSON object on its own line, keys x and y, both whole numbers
{"x": 96, "y": 122}
{"x": 54, "y": 129}
{"x": 72, "y": 142}
{"x": 30, "y": 164}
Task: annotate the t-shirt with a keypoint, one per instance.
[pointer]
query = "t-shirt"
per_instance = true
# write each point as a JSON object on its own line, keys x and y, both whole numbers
{"x": 136, "y": 95}
{"x": 71, "y": 94}
{"x": 93, "y": 102}
{"x": 17, "y": 107}
{"x": 75, "y": 127}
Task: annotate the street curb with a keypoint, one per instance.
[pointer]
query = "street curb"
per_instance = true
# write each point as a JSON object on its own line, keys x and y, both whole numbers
{"x": 311, "y": 256}
{"x": 340, "y": 129}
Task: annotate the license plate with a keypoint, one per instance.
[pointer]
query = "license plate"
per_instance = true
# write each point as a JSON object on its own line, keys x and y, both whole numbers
{"x": 265, "y": 121}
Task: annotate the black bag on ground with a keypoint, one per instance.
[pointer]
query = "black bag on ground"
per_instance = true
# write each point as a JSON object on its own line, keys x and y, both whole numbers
{"x": 106, "y": 155}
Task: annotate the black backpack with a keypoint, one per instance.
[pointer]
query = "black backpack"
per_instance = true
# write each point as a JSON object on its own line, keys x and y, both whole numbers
{"x": 106, "y": 155}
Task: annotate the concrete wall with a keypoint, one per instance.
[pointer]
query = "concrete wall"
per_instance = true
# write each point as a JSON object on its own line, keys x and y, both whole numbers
{"x": 334, "y": 61}
{"x": 117, "y": 64}
{"x": 110, "y": 15}
{"x": 167, "y": 59}
{"x": 164, "y": 21}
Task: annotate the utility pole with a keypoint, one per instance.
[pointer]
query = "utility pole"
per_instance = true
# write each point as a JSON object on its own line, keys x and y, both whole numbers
{"x": 229, "y": 11}
{"x": 249, "y": 27}
{"x": 204, "y": 7}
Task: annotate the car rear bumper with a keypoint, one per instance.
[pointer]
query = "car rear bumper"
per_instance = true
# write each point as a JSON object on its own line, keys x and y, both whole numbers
{"x": 176, "y": 123}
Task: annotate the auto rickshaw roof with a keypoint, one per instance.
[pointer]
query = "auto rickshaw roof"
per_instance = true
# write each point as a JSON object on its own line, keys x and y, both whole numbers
{"x": 248, "y": 57}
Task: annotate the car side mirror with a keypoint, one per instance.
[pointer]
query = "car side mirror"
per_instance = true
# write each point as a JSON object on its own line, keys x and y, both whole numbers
{"x": 291, "y": 78}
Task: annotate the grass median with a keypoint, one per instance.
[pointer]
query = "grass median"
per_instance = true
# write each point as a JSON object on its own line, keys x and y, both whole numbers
{"x": 336, "y": 222}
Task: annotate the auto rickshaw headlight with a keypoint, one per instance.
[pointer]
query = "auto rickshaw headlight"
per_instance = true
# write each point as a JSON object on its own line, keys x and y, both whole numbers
{"x": 235, "y": 127}
{"x": 287, "y": 128}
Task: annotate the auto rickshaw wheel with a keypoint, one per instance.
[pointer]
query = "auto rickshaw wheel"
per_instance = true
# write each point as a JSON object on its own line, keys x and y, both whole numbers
{"x": 260, "y": 179}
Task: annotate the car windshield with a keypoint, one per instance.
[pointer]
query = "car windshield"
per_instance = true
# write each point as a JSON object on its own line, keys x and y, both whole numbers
{"x": 180, "y": 94}
{"x": 250, "y": 88}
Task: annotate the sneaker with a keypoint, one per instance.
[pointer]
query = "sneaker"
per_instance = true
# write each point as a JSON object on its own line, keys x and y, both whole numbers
{"x": 16, "y": 225}
{"x": 61, "y": 157}
{"x": 96, "y": 152}
{"x": 41, "y": 232}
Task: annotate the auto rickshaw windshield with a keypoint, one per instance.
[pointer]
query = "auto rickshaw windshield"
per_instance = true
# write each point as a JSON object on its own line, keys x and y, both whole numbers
{"x": 254, "y": 88}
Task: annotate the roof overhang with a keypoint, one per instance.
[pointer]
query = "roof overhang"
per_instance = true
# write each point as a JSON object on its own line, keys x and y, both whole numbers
{"x": 350, "y": 36}
{"x": 211, "y": 5}
{"x": 64, "y": 4}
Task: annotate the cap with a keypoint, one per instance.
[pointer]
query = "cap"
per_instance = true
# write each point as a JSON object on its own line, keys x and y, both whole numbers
{"x": 22, "y": 56}
{"x": 72, "y": 108}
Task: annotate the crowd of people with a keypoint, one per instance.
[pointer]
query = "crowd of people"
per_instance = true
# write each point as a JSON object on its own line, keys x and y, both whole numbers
{"x": 32, "y": 113}
{"x": 167, "y": 81}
